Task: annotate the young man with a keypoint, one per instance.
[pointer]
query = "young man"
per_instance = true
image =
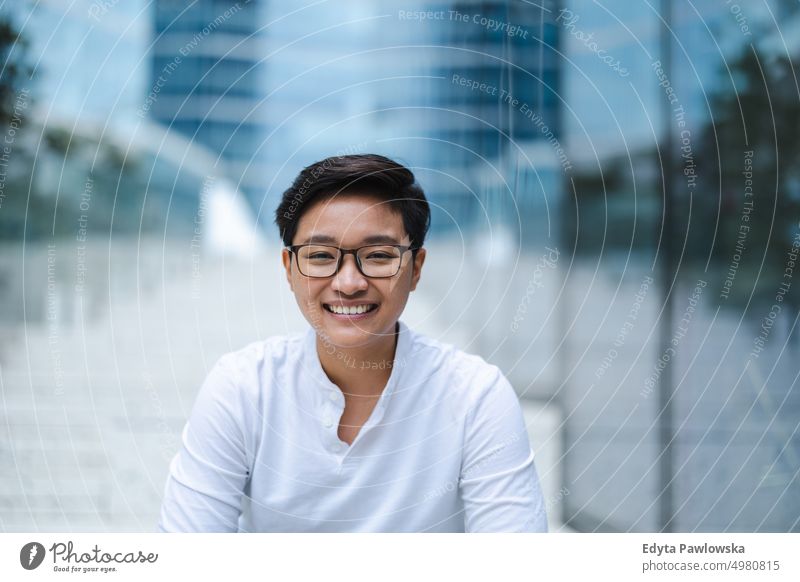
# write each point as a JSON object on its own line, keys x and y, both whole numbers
{"x": 360, "y": 424}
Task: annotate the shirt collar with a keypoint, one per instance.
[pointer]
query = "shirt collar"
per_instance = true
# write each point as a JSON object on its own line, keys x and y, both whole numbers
{"x": 321, "y": 380}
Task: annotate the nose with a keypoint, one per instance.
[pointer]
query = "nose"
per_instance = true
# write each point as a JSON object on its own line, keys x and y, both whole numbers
{"x": 349, "y": 279}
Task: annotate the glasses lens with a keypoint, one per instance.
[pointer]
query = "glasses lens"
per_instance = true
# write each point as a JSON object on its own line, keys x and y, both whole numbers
{"x": 379, "y": 261}
{"x": 317, "y": 260}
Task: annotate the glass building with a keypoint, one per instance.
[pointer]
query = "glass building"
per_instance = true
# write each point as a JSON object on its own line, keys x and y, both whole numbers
{"x": 392, "y": 73}
{"x": 495, "y": 118}
{"x": 673, "y": 421}
{"x": 207, "y": 82}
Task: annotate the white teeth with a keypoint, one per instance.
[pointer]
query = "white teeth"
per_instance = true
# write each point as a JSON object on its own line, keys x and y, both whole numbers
{"x": 355, "y": 310}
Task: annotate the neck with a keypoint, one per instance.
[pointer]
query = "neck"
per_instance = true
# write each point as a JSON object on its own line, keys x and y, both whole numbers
{"x": 360, "y": 371}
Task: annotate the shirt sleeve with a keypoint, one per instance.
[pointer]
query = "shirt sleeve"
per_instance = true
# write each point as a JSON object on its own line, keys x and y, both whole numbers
{"x": 208, "y": 475}
{"x": 498, "y": 484}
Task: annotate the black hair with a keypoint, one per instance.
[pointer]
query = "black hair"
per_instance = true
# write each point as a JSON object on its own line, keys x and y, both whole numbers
{"x": 368, "y": 174}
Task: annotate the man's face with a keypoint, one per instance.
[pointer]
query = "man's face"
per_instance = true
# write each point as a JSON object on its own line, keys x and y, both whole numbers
{"x": 350, "y": 221}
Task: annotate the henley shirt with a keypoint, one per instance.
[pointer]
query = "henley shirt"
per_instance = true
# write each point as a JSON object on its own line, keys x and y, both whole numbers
{"x": 445, "y": 448}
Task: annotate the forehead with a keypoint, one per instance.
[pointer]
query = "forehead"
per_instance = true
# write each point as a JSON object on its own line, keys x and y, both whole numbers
{"x": 350, "y": 219}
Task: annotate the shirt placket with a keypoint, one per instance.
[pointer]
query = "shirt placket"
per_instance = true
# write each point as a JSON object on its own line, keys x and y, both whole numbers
{"x": 332, "y": 407}
{"x": 330, "y": 403}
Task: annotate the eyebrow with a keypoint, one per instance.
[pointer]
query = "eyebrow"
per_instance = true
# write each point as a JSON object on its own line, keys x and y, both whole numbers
{"x": 368, "y": 240}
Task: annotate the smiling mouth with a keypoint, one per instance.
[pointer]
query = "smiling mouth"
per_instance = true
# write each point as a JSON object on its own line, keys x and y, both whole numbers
{"x": 354, "y": 310}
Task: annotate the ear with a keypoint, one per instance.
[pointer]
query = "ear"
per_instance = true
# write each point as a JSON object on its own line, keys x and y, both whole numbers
{"x": 286, "y": 257}
{"x": 417, "y": 268}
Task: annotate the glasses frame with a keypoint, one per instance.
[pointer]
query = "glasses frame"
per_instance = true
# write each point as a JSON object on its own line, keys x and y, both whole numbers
{"x": 342, "y": 252}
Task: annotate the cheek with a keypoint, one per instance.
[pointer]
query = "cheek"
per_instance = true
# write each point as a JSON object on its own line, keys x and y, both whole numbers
{"x": 310, "y": 307}
{"x": 302, "y": 290}
{"x": 395, "y": 289}
{"x": 305, "y": 291}
{"x": 400, "y": 284}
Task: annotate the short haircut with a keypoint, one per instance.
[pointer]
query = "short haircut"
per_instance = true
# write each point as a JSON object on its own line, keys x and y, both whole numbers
{"x": 366, "y": 174}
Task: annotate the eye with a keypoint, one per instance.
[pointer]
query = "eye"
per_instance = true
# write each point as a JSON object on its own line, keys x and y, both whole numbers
{"x": 379, "y": 256}
{"x": 320, "y": 256}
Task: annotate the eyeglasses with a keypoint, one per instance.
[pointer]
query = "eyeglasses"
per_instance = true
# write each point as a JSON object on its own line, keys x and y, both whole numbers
{"x": 373, "y": 261}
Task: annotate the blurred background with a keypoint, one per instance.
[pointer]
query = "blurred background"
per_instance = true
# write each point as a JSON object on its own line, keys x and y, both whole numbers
{"x": 616, "y": 195}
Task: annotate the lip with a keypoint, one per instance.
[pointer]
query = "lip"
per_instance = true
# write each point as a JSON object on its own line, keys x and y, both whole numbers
{"x": 350, "y": 303}
{"x": 348, "y": 317}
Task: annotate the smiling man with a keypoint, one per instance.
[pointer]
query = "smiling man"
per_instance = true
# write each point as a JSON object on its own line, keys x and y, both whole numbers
{"x": 358, "y": 424}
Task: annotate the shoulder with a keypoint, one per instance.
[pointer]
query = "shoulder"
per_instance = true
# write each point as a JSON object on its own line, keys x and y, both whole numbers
{"x": 451, "y": 359}
{"x": 245, "y": 368}
{"x": 272, "y": 350}
{"x": 463, "y": 379}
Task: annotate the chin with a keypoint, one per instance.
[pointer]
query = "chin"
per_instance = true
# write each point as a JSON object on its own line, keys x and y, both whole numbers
{"x": 349, "y": 335}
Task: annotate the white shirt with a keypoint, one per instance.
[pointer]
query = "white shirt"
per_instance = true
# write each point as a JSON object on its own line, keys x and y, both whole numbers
{"x": 444, "y": 450}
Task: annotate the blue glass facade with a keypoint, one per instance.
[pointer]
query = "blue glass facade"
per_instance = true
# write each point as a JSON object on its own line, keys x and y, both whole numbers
{"x": 208, "y": 82}
{"x": 723, "y": 454}
{"x": 499, "y": 98}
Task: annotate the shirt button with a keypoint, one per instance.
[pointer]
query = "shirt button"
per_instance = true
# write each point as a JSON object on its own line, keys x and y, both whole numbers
{"x": 333, "y": 396}
{"x": 328, "y": 422}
